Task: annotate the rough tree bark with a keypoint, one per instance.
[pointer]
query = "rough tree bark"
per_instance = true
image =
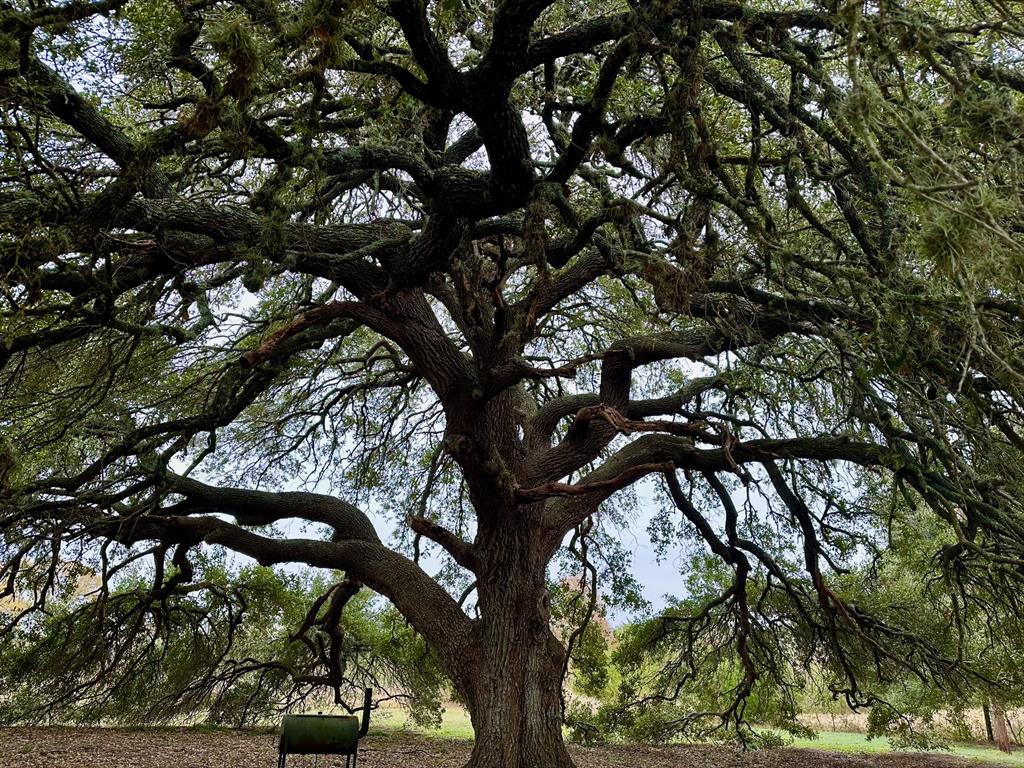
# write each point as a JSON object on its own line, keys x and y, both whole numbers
{"x": 999, "y": 727}
{"x": 514, "y": 699}
{"x": 515, "y": 707}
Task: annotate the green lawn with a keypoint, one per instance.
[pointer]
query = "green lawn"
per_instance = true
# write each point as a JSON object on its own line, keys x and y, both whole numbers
{"x": 455, "y": 725}
{"x": 840, "y": 741}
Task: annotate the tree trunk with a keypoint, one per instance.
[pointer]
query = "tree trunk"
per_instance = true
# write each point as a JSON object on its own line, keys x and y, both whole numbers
{"x": 999, "y": 727}
{"x": 518, "y": 721}
{"x": 514, "y": 699}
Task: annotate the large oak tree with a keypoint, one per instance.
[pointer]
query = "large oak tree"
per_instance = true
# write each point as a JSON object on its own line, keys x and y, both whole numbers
{"x": 485, "y": 266}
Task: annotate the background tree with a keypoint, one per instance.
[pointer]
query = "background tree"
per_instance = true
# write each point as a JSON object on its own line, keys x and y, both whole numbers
{"x": 668, "y": 673}
{"x": 483, "y": 266}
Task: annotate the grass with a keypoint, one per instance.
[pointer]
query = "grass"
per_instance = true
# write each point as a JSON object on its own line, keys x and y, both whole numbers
{"x": 455, "y": 724}
{"x": 841, "y": 741}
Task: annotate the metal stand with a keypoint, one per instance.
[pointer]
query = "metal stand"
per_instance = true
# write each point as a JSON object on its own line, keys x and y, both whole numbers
{"x": 350, "y": 760}
{"x": 297, "y": 738}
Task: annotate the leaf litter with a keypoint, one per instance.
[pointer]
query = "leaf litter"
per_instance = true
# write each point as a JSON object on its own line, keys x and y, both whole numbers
{"x": 79, "y": 747}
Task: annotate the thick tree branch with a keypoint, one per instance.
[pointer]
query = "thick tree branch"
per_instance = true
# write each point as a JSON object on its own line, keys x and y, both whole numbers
{"x": 460, "y": 550}
{"x": 266, "y": 507}
{"x": 652, "y": 451}
{"x": 423, "y": 601}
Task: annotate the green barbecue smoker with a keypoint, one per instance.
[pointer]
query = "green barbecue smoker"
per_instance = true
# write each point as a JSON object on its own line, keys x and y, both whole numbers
{"x": 324, "y": 734}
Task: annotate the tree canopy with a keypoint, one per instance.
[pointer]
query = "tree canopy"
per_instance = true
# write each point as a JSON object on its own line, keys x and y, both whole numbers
{"x": 487, "y": 266}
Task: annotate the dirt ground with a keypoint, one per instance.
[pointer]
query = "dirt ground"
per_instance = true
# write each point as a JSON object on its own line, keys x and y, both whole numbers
{"x": 186, "y": 748}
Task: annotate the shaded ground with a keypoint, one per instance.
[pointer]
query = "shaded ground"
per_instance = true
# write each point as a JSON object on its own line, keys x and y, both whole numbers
{"x": 188, "y": 748}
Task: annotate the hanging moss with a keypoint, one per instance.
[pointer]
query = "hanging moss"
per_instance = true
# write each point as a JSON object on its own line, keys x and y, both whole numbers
{"x": 232, "y": 38}
{"x": 202, "y": 119}
{"x": 986, "y": 113}
{"x": 957, "y": 241}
